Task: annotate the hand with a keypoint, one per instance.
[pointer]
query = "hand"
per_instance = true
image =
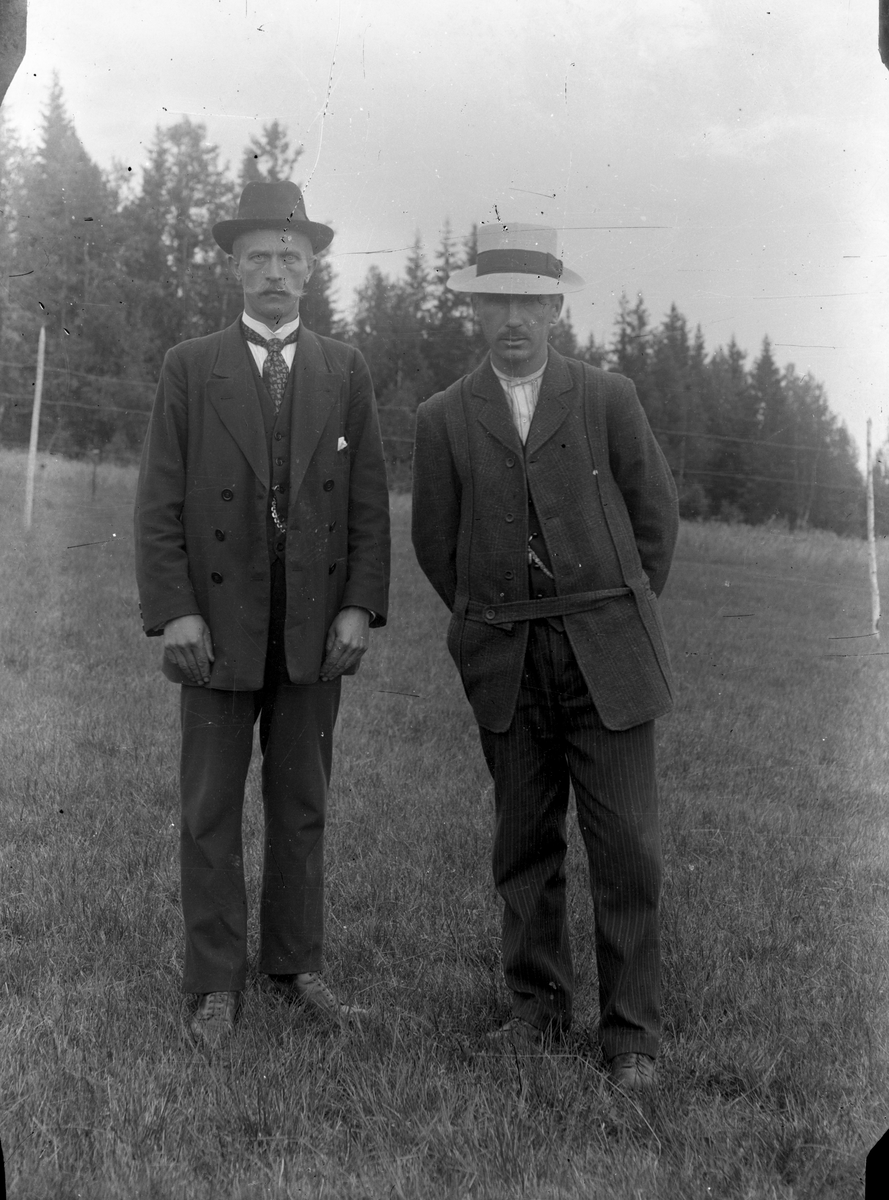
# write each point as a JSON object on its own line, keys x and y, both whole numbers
{"x": 346, "y": 642}
{"x": 187, "y": 644}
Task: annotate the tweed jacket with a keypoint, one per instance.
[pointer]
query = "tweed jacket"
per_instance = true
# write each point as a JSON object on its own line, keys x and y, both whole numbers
{"x": 607, "y": 507}
{"x": 203, "y": 497}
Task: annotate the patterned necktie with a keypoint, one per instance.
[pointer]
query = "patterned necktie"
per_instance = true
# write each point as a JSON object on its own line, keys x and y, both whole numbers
{"x": 274, "y": 369}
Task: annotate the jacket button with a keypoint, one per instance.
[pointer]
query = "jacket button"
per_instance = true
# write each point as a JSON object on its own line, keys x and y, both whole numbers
{"x": 216, "y": 577}
{"x": 510, "y": 462}
{"x": 279, "y": 462}
{"x": 227, "y": 494}
{"x": 331, "y": 527}
{"x": 509, "y": 575}
{"x": 490, "y": 614}
{"x": 331, "y": 568}
{"x": 280, "y": 487}
{"x": 510, "y": 517}
{"x": 278, "y": 436}
{"x": 279, "y": 546}
{"x": 220, "y": 536}
{"x": 328, "y": 485}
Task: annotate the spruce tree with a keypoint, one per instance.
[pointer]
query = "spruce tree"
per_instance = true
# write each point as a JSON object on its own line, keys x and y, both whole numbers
{"x": 65, "y": 236}
{"x": 630, "y": 352}
{"x": 770, "y": 492}
{"x": 452, "y": 347}
{"x": 733, "y": 424}
{"x": 182, "y": 288}
{"x": 269, "y": 158}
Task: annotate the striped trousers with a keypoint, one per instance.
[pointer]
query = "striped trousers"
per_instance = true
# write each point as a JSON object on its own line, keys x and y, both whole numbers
{"x": 555, "y": 739}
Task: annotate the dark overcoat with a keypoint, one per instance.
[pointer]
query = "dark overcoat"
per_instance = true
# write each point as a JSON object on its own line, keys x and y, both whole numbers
{"x": 203, "y": 499}
{"x": 606, "y": 502}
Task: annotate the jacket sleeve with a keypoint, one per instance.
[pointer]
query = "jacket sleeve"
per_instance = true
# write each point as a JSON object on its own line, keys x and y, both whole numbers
{"x": 436, "y": 501}
{"x": 367, "y": 583}
{"x": 645, "y": 481}
{"x": 165, "y": 589}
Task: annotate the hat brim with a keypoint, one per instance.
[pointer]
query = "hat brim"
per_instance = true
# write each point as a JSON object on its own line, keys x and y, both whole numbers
{"x": 225, "y": 232}
{"x": 514, "y": 283}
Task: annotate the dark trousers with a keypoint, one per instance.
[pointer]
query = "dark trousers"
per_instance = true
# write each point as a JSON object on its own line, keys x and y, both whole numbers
{"x": 555, "y": 737}
{"x": 296, "y": 739}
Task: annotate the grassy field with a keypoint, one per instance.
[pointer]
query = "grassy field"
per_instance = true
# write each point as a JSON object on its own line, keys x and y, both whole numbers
{"x": 776, "y": 906}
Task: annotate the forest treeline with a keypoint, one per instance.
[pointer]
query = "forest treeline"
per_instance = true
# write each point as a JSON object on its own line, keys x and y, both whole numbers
{"x": 119, "y": 265}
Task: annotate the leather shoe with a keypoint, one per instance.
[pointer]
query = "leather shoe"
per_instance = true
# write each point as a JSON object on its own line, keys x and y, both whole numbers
{"x": 519, "y": 1036}
{"x": 310, "y": 990}
{"x": 633, "y": 1072}
{"x": 214, "y": 1018}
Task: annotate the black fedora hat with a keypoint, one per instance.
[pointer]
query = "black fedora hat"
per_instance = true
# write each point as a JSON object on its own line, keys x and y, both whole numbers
{"x": 277, "y": 205}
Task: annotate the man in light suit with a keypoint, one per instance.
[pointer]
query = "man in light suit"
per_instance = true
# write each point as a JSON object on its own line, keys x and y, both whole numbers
{"x": 545, "y": 516}
{"x": 262, "y": 551}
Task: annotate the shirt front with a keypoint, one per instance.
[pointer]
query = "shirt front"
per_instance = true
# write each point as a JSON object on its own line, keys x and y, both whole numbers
{"x": 522, "y": 394}
{"x": 259, "y": 352}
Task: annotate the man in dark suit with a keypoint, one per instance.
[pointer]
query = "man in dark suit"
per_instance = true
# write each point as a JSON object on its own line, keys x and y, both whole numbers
{"x": 545, "y": 516}
{"x": 262, "y": 551}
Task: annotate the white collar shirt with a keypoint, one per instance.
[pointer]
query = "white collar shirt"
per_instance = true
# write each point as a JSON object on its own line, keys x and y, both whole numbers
{"x": 522, "y": 394}
{"x": 259, "y": 352}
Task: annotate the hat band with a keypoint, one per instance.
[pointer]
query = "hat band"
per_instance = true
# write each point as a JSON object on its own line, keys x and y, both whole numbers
{"x": 524, "y": 262}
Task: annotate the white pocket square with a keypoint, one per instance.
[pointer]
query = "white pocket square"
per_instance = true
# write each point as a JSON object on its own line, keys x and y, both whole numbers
{"x": 342, "y": 444}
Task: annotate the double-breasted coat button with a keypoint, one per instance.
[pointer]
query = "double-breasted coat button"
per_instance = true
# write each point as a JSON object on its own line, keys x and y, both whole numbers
{"x": 227, "y": 494}
{"x": 216, "y": 577}
{"x": 510, "y": 462}
{"x": 328, "y": 485}
{"x": 220, "y": 536}
{"x": 509, "y": 575}
{"x": 510, "y": 517}
{"x": 490, "y": 614}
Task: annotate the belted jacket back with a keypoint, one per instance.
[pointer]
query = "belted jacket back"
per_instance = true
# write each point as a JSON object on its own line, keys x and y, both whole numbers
{"x": 606, "y": 502}
{"x": 204, "y": 493}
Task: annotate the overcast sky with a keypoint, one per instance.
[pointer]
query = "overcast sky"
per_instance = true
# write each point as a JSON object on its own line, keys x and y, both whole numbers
{"x": 750, "y": 140}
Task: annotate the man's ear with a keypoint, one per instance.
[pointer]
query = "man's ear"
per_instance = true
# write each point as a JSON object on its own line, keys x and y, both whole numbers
{"x": 234, "y": 268}
{"x": 557, "y": 310}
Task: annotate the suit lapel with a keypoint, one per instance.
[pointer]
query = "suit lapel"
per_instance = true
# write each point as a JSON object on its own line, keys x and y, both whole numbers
{"x": 494, "y": 413}
{"x": 551, "y": 408}
{"x": 232, "y": 392}
{"x": 316, "y": 391}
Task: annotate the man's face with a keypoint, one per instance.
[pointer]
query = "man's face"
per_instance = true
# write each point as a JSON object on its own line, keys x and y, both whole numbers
{"x": 273, "y": 269}
{"x": 516, "y": 329}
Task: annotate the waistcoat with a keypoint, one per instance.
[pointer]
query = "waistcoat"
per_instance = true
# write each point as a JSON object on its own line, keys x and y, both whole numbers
{"x": 540, "y": 585}
{"x": 277, "y": 436}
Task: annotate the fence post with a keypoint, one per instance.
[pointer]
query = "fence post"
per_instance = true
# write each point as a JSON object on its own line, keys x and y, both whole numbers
{"x": 95, "y": 455}
{"x": 871, "y": 542}
{"x": 35, "y": 428}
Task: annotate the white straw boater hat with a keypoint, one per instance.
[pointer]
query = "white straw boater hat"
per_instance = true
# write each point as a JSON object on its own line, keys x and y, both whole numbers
{"x": 516, "y": 260}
